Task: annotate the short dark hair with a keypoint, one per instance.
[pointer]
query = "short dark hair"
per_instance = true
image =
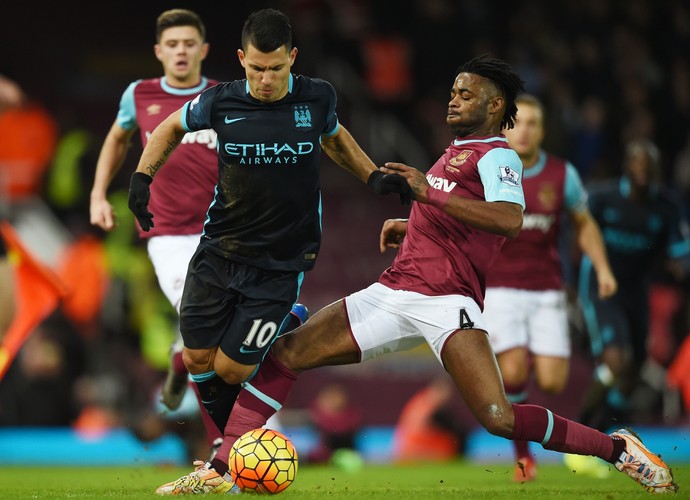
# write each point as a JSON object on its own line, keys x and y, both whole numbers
{"x": 179, "y": 17}
{"x": 503, "y": 76}
{"x": 267, "y": 30}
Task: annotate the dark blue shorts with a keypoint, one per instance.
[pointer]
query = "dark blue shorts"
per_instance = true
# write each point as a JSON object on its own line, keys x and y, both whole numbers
{"x": 622, "y": 320}
{"x": 234, "y": 305}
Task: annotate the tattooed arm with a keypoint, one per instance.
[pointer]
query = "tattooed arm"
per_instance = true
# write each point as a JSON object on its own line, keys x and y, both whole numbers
{"x": 344, "y": 150}
{"x": 161, "y": 144}
{"x": 498, "y": 217}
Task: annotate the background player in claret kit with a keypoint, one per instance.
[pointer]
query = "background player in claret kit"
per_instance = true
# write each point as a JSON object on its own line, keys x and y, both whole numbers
{"x": 434, "y": 289}
{"x": 525, "y": 303}
{"x": 181, "y": 48}
{"x": 643, "y": 226}
{"x": 263, "y": 228}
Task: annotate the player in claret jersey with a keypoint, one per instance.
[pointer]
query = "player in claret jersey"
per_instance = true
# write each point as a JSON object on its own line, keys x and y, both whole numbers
{"x": 181, "y": 48}
{"x": 525, "y": 303}
{"x": 466, "y": 206}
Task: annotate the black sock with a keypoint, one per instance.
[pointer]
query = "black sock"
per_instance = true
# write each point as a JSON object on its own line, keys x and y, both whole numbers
{"x": 618, "y": 448}
{"x": 217, "y": 396}
{"x": 219, "y": 466}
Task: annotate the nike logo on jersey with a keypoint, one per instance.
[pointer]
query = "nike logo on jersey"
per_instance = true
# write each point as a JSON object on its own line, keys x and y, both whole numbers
{"x": 233, "y": 120}
{"x": 244, "y": 350}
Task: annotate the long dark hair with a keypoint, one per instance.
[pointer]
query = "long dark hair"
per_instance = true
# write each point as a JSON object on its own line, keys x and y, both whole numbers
{"x": 503, "y": 76}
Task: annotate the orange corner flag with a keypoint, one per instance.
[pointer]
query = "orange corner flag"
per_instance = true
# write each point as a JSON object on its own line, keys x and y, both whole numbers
{"x": 39, "y": 292}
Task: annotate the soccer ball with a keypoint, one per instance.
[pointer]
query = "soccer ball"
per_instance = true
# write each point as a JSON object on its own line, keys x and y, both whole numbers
{"x": 263, "y": 461}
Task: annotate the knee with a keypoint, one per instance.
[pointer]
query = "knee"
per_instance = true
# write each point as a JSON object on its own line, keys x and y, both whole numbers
{"x": 513, "y": 376}
{"x": 234, "y": 376}
{"x": 231, "y": 371}
{"x": 197, "y": 360}
{"x": 206, "y": 360}
{"x": 498, "y": 419}
{"x": 617, "y": 360}
{"x": 552, "y": 386}
{"x": 283, "y": 353}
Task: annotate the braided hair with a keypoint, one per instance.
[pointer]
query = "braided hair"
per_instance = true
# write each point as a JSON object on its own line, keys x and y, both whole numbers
{"x": 503, "y": 76}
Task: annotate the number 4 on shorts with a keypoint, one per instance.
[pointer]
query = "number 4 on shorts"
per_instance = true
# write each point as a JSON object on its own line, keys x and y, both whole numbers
{"x": 465, "y": 321}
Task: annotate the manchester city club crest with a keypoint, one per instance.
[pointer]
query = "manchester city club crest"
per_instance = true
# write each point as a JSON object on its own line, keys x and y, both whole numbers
{"x": 302, "y": 116}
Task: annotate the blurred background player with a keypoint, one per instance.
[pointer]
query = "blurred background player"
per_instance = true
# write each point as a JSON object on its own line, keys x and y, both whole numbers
{"x": 644, "y": 229}
{"x": 181, "y": 48}
{"x": 337, "y": 421}
{"x": 525, "y": 303}
{"x": 427, "y": 429}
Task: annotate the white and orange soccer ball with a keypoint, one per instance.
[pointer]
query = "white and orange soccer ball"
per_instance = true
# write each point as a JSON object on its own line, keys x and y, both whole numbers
{"x": 263, "y": 461}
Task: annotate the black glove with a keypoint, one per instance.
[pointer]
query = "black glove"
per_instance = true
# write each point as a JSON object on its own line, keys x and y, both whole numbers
{"x": 391, "y": 183}
{"x": 139, "y": 194}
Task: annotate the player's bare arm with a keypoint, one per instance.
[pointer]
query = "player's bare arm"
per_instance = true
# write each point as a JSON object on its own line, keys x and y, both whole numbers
{"x": 110, "y": 160}
{"x": 591, "y": 243}
{"x": 498, "y": 217}
{"x": 163, "y": 141}
{"x": 344, "y": 150}
{"x": 159, "y": 147}
{"x": 392, "y": 233}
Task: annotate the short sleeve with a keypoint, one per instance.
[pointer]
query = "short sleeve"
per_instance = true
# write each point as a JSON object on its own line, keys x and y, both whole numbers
{"x": 196, "y": 114}
{"x": 127, "y": 114}
{"x": 501, "y": 172}
{"x": 574, "y": 194}
{"x": 332, "y": 125}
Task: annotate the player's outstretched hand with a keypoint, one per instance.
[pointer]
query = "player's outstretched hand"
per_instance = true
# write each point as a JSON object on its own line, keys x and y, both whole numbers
{"x": 415, "y": 179}
{"x": 102, "y": 214}
{"x": 383, "y": 183}
{"x": 139, "y": 194}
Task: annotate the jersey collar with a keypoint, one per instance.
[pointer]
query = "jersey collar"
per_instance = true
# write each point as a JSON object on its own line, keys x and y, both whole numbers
{"x": 537, "y": 168}
{"x": 470, "y": 139}
{"x": 188, "y": 91}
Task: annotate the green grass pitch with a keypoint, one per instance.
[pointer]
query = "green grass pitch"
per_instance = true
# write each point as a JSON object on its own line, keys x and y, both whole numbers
{"x": 425, "y": 481}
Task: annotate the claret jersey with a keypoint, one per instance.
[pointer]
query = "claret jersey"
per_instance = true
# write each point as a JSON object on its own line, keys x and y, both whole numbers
{"x": 145, "y": 104}
{"x": 441, "y": 255}
{"x": 532, "y": 261}
{"x": 267, "y": 205}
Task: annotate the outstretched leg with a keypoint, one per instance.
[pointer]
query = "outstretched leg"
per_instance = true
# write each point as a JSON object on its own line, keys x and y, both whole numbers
{"x": 468, "y": 358}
